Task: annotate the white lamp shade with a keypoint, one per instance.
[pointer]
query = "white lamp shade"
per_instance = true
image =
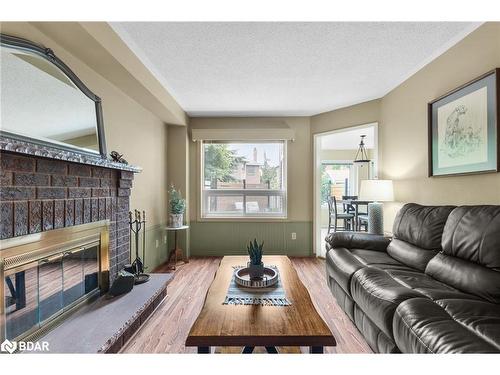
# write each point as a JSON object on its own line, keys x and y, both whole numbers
{"x": 376, "y": 190}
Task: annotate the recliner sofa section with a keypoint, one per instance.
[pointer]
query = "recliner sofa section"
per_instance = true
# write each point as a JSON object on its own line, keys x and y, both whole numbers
{"x": 433, "y": 288}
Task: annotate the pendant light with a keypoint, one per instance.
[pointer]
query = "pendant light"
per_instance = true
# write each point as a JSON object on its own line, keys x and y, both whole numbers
{"x": 362, "y": 155}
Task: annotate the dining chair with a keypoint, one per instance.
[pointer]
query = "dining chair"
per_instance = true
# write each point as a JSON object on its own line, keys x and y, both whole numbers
{"x": 334, "y": 216}
{"x": 363, "y": 217}
{"x": 349, "y": 208}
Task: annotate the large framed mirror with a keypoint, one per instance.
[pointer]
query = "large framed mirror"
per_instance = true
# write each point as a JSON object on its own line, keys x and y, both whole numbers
{"x": 44, "y": 102}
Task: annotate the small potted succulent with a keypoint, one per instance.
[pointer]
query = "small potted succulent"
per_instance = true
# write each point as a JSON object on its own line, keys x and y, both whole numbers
{"x": 255, "y": 266}
{"x": 177, "y": 207}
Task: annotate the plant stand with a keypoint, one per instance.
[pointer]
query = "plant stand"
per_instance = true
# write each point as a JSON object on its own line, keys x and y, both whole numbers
{"x": 176, "y": 253}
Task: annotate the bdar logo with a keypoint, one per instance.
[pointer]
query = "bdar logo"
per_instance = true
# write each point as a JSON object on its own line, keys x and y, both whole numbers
{"x": 8, "y": 346}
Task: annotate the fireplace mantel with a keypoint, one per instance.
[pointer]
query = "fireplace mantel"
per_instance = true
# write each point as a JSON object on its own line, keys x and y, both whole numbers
{"x": 27, "y": 148}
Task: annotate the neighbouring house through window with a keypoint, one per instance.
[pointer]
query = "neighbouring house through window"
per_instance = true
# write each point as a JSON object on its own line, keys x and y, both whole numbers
{"x": 243, "y": 179}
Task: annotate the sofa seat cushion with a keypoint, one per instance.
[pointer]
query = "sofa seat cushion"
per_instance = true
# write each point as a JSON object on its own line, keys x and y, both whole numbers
{"x": 426, "y": 285}
{"x": 372, "y": 257}
{"x": 341, "y": 264}
{"x": 378, "y": 295}
{"x": 480, "y": 316}
{"x": 447, "y": 326}
{"x": 378, "y": 291}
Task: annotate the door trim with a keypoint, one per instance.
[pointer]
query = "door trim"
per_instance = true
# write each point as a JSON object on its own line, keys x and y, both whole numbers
{"x": 317, "y": 176}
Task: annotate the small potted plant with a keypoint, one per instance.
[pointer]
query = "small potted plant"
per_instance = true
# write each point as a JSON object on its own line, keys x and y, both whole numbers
{"x": 177, "y": 207}
{"x": 255, "y": 266}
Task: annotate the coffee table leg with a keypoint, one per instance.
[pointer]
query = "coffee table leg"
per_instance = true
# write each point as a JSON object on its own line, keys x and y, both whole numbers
{"x": 203, "y": 349}
{"x": 248, "y": 350}
{"x": 316, "y": 349}
{"x": 271, "y": 350}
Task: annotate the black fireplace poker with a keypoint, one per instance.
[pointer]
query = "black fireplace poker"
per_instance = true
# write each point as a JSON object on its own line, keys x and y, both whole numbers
{"x": 137, "y": 226}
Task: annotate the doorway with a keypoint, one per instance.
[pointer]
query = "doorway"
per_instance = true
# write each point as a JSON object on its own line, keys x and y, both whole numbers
{"x": 337, "y": 174}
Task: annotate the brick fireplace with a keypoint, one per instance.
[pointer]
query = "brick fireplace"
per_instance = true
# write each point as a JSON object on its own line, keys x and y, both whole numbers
{"x": 85, "y": 197}
{"x": 39, "y": 194}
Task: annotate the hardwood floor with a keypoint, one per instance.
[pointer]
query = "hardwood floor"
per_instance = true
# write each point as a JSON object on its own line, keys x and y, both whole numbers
{"x": 168, "y": 327}
{"x": 312, "y": 273}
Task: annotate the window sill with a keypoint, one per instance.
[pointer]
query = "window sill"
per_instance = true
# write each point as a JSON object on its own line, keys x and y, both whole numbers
{"x": 243, "y": 219}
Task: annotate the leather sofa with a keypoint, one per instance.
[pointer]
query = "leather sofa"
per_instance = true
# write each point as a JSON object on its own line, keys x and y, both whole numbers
{"x": 433, "y": 288}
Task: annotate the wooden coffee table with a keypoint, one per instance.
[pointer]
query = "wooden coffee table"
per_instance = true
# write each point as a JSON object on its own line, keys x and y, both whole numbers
{"x": 254, "y": 325}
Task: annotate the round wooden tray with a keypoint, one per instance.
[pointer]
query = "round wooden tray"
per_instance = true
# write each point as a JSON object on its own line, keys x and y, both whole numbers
{"x": 242, "y": 277}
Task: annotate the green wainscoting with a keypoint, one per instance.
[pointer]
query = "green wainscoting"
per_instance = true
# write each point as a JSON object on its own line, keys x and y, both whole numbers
{"x": 230, "y": 238}
{"x": 154, "y": 255}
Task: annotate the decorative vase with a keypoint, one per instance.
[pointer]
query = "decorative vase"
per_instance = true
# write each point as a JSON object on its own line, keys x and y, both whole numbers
{"x": 256, "y": 271}
{"x": 176, "y": 220}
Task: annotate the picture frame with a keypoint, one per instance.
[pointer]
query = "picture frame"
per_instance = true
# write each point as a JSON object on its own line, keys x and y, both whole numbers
{"x": 463, "y": 128}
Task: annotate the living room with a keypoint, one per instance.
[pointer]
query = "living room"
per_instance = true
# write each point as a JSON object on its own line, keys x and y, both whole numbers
{"x": 284, "y": 187}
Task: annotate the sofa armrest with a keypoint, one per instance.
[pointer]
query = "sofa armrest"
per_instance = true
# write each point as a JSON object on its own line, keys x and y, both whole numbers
{"x": 356, "y": 240}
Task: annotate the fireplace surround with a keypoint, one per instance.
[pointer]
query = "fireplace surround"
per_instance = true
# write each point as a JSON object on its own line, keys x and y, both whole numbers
{"x": 43, "y": 198}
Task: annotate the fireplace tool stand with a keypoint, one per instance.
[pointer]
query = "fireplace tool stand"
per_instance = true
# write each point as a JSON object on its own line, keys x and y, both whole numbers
{"x": 137, "y": 266}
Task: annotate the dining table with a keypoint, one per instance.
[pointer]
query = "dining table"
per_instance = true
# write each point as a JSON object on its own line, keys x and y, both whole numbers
{"x": 355, "y": 203}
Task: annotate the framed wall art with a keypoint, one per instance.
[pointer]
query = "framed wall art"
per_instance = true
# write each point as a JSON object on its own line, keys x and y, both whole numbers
{"x": 464, "y": 128}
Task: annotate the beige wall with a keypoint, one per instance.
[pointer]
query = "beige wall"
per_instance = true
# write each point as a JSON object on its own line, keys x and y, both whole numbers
{"x": 358, "y": 114}
{"x": 299, "y": 174}
{"x": 402, "y": 117}
{"x": 403, "y": 133}
{"x": 129, "y": 128}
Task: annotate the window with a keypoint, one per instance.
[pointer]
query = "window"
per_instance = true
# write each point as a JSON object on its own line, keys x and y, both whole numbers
{"x": 338, "y": 178}
{"x": 243, "y": 179}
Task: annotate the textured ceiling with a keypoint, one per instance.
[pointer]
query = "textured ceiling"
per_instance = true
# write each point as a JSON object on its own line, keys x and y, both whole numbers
{"x": 284, "y": 69}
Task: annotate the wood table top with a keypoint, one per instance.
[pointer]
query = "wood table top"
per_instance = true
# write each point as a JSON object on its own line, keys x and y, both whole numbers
{"x": 253, "y": 325}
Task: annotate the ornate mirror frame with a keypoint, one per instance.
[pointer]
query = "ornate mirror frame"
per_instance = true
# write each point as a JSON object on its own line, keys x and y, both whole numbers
{"x": 46, "y": 53}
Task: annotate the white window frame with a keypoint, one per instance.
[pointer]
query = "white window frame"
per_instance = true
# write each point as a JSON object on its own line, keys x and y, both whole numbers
{"x": 245, "y": 216}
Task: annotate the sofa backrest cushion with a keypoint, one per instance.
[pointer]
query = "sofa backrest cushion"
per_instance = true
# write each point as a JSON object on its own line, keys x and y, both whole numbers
{"x": 421, "y": 226}
{"x": 417, "y": 234}
{"x": 470, "y": 259}
{"x": 473, "y": 233}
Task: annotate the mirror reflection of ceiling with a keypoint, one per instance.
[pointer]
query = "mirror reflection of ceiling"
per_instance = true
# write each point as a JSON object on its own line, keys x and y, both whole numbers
{"x": 348, "y": 139}
{"x": 40, "y": 101}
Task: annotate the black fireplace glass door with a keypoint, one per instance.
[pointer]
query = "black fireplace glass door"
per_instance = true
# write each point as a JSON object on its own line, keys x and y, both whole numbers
{"x": 50, "y": 281}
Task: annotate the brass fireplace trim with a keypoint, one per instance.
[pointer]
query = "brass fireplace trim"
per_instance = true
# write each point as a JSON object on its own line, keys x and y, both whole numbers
{"x": 17, "y": 252}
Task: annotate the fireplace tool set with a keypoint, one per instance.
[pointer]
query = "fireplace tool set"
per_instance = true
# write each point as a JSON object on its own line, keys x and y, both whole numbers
{"x": 137, "y": 267}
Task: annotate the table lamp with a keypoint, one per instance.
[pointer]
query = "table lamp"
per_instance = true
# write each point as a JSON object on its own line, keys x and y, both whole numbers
{"x": 376, "y": 191}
